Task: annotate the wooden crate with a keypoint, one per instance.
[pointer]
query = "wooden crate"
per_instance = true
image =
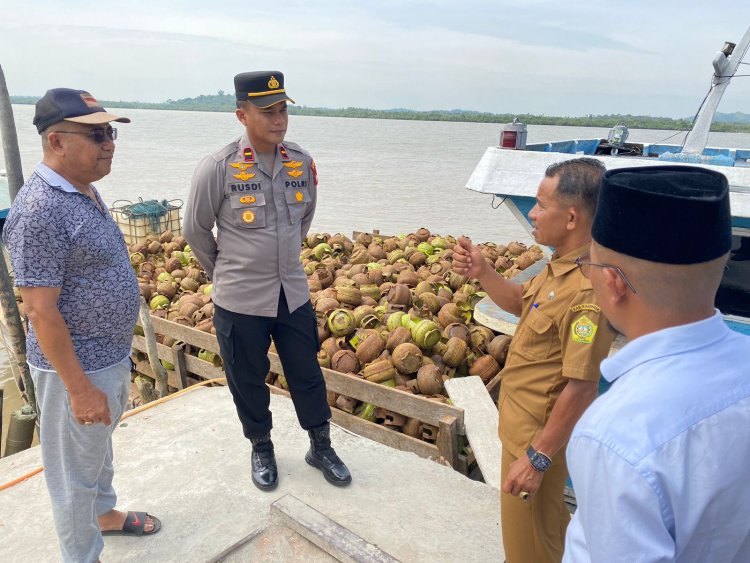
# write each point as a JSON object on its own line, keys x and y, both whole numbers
{"x": 448, "y": 419}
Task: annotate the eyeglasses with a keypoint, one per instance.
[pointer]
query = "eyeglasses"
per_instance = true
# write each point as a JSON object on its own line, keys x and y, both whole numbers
{"x": 98, "y": 135}
{"x": 583, "y": 263}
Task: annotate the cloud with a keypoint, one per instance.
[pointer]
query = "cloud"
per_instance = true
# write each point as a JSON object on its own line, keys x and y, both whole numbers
{"x": 533, "y": 56}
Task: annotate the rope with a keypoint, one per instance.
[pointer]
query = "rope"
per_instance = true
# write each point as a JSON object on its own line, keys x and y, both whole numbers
{"x": 128, "y": 414}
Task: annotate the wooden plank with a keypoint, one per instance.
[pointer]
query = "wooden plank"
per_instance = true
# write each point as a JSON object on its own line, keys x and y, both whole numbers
{"x": 330, "y": 536}
{"x": 376, "y": 432}
{"x": 431, "y": 412}
{"x": 186, "y": 334}
{"x": 145, "y": 368}
{"x": 394, "y": 400}
{"x": 481, "y": 420}
{"x": 407, "y": 404}
{"x": 192, "y": 364}
{"x": 385, "y": 436}
{"x": 203, "y": 368}
{"x": 447, "y": 440}
{"x": 492, "y": 316}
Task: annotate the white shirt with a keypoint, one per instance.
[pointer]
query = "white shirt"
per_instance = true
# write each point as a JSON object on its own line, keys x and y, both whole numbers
{"x": 661, "y": 462}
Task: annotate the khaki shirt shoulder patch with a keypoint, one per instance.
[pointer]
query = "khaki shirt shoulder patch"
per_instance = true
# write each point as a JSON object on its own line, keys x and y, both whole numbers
{"x": 583, "y": 330}
{"x": 585, "y": 307}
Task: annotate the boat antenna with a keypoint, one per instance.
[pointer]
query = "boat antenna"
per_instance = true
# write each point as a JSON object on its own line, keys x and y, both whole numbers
{"x": 725, "y": 64}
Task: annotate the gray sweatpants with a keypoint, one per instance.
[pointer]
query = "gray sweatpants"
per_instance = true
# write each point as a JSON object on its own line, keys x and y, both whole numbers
{"x": 78, "y": 459}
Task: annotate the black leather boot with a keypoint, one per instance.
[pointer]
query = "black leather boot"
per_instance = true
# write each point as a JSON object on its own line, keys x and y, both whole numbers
{"x": 265, "y": 474}
{"x": 322, "y": 456}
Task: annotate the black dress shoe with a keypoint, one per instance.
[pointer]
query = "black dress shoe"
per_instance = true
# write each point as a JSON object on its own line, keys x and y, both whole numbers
{"x": 322, "y": 456}
{"x": 263, "y": 461}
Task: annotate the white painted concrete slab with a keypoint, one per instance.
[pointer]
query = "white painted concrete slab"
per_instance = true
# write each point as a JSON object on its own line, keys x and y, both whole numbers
{"x": 187, "y": 462}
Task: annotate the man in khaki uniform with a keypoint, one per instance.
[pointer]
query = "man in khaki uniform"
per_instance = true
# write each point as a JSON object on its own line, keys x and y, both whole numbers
{"x": 552, "y": 371}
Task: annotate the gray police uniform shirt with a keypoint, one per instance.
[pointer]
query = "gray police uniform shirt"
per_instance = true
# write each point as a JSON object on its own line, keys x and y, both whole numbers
{"x": 261, "y": 218}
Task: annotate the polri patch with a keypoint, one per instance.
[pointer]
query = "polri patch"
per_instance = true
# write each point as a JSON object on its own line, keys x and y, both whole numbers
{"x": 244, "y": 176}
{"x": 242, "y": 166}
{"x": 249, "y": 154}
{"x": 295, "y": 173}
{"x": 583, "y": 330}
{"x": 585, "y": 307}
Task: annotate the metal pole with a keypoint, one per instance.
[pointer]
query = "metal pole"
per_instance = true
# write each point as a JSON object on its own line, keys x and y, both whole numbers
{"x": 10, "y": 141}
{"x": 724, "y": 69}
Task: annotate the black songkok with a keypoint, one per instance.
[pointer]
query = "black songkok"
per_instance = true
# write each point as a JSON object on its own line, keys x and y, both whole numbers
{"x": 667, "y": 214}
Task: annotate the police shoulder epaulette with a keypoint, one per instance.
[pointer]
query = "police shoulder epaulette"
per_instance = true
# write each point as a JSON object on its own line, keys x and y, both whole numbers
{"x": 226, "y": 151}
{"x": 295, "y": 147}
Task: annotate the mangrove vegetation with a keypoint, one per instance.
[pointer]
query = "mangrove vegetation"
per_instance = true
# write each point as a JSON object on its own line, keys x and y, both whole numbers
{"x": 736, "y": 122}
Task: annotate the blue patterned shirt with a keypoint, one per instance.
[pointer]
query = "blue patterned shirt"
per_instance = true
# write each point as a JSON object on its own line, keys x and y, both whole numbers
{"x": 57, "y": 237}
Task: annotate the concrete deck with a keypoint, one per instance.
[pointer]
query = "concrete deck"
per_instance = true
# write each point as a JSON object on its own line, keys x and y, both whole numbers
{"x": 187, "y": 462}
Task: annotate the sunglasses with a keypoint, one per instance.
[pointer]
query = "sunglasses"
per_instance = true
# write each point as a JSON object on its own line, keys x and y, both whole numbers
{"x": 585, "y": 265}
{"x": 98, "y": 135}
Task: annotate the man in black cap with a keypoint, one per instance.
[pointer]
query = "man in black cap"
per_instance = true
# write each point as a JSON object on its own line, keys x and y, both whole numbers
{"x": 260, "y": 191}
{"x": 81, "y": 298}
{"x": 660, "y": 462}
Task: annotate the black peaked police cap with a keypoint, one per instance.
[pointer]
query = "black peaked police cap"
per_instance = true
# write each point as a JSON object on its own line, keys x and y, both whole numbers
{"x": 666, "y": 214}
{"x": 262, "y": 88}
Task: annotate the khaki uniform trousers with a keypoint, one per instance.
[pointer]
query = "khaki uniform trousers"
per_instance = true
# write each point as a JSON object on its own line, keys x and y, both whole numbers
{"x": 534, "y": 531}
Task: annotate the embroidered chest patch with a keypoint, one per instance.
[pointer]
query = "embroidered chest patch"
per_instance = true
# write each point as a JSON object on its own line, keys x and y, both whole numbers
{"x": 242, "y": 166}
{"x": 244, "y": 176}
{"x": 585, "y": 307}
{"x": 248, "y": 216}
{"x": 583, "y": 330}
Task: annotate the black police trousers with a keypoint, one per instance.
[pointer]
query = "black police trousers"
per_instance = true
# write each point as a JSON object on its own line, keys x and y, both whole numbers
{"x": 244, "y": 341}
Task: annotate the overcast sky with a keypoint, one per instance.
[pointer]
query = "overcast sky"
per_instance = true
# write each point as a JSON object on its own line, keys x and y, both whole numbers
{"x": 517, "y": 56}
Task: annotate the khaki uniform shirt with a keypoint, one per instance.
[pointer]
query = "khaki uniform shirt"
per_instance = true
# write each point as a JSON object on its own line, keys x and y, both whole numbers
{"x": 561, "y": 335}
{"x": 261, "y": 218}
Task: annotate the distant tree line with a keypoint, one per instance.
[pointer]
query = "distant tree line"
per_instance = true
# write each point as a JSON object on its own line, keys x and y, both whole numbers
{"x": 226, "y": 103}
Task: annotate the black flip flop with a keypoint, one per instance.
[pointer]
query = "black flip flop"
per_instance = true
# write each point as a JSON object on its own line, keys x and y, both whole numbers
{"x": 135, "y": 525}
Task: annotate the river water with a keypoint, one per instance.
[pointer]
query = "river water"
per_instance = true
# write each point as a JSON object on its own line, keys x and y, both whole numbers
{"x": 396, "y": 176}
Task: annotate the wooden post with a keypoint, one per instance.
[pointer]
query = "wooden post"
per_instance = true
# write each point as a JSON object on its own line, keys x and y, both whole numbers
{"x": 160, "y": 371}
{"x": 178, "y": 359}
{"x": 10, "y": 141}
{"x": 447, "y": 439}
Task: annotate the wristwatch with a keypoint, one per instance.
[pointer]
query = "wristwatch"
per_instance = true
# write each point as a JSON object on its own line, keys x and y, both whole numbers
{"x": 539, "y": 461}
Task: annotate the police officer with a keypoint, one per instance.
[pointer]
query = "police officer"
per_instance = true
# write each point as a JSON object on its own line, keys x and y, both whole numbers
{"x": 552, "y": 371}
{"x": 260, "y": 192}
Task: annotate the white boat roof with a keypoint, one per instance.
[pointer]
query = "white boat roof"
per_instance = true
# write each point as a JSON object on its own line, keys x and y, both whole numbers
{"x": 517, "y": 173}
